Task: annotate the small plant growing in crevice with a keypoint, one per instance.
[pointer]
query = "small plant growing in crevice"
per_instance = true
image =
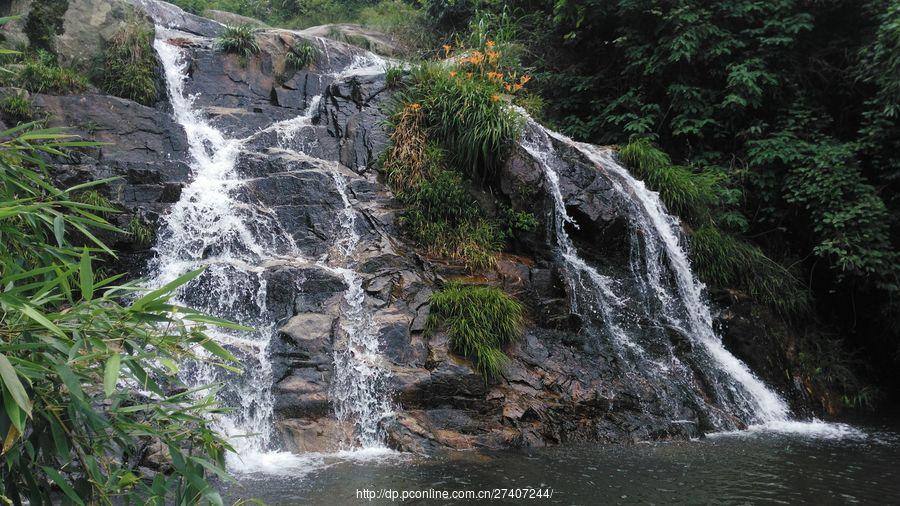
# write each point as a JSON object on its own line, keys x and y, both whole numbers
{"x": 17, "y": 107}
{"x": 239, "y": 40}
{"x": 300, "y": 55}
{"x": 98, "y": 202}
{"x": 140, "y": 232}
{"x": 479, "y": 320}
{"x": 129, "y": 64}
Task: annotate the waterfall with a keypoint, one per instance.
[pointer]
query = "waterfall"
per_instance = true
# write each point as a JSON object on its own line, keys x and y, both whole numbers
{"x": 659, "y": 263}
{"x": 234, "y": 238}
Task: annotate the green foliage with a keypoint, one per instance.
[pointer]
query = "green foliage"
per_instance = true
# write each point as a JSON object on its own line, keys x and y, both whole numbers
{"x": 17, "y": 107}
{"x": 393, "y": 76}
{"x": 76, "y": 349}
{"x": 686, "y": 192}
{"x": 726, "y": 261}
{"x": 96, "y": 201}
{"x": 129, "y": 64}
{"x": 468, "y": 117}
{"x": 45, "y": 22}
{"x": 239, "y": 40}
{"x": 140, "y": 233}
{"x": 442, "y": 217}
{"x": 480, "y": 320}
{"x": 41, "y": 74}
{"x": 300, "y": 55}
{"x": 828, "y": 366}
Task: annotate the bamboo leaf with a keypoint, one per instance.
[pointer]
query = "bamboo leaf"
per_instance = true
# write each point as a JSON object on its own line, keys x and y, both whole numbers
{"x": 86, "y": 276}
{"x": 63, "y": 485}
{"x": 13, "y": 385}
{"x": 111, "y": 374}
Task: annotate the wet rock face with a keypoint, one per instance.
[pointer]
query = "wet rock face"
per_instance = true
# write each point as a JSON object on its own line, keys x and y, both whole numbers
{"x": 561, "y": 384}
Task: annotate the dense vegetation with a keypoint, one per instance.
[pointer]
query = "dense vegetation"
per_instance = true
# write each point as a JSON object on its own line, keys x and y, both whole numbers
{"x": 449, "y": 136}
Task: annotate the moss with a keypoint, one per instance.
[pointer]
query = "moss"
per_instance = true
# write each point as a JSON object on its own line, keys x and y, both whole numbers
{"x": 129, "y": 64}
{"x": 480, "y": 320}
{"x": 45, "y": 22}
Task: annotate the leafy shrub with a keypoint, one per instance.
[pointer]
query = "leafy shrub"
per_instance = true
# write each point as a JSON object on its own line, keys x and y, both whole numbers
{"x": 41, "y": 74}
{"x": 239, "y": 40}
{"x": 16, "y": 107}
{"x": 828, "y": 366}
{"x": 129, "y": 64}
{"x": 300, "y": 55}
{"x": 45, "y": 22}
{"x": 479, "y": 320}
{"x": 77, "y": 349}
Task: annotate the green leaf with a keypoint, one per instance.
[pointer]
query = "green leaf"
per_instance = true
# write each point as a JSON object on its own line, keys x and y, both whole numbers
{"x": 111, "y": 374}
{"x": 41, "y": 319}
{"x": 13, "y": 385}
{"x": 165, "y": 290}
{"x": 86, "y": 276}
{"x": 63, "y": 484}
{"x": 59, "y": 229}
{"x": 217, "y": 350}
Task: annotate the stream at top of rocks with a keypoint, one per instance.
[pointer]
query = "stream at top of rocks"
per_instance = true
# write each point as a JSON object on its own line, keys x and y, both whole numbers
{"x": 758, "y": 467}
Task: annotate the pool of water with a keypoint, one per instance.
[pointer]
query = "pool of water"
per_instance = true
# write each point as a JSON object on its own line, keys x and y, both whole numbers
{"x": 762, "y": 466}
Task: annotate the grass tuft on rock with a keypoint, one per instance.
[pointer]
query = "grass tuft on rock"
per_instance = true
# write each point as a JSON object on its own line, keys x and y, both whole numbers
{"x": 480, "y": 320}
{"x": 16, "y": 107}
{"x": 300, "y": 55}
{"x": 129, "y": 64}
{"x": 688, "y": 193}
{"x": 41, "y": 74}
{"x": 239, "y": 40}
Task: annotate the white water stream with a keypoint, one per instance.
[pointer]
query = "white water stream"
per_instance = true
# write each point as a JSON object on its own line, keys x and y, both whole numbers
{"x": 666, "y": 269}
{"x": 212, "y": 227}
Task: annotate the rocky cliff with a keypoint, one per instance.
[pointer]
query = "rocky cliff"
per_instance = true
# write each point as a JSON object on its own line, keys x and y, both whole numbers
{"x": 562, "y": 383}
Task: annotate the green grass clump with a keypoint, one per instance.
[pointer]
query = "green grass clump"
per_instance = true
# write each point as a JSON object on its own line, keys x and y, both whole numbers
{"x": 140, "y": 233}
{"x": 468, "y": 117}
{"x": 685, "y": 192}
{"x": 129, "y": 64}
{"x": 479, "y": 320}
{"x": 725, "y": 260}
{"x": 41, "y": 74}
{"x": 239, "y": 40}
{"x": 300, "y": 55}
{"x": 393, "y": 76}
{"x": 16, "y": 107}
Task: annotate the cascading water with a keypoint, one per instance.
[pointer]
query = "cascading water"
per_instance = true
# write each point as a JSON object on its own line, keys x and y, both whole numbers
{"x": 216, "y": 227}
{"x": 360, "y": 380}
{"x": 661, "y": 265}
